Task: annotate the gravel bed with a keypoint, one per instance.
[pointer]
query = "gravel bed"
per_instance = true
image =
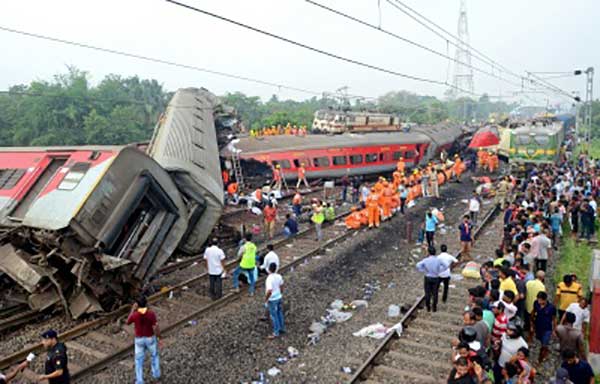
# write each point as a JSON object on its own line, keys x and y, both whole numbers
{"x": 231, "y": 347}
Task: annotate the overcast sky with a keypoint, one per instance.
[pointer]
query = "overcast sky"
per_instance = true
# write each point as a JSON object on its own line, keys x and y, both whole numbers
{"x": 534, "y": 35}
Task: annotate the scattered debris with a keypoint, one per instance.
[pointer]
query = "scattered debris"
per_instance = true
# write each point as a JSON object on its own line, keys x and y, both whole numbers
{"x": 347, "y": 370}
{"x": 274, "y": 371}
{"x": 393, "y": 310}
{"x": 376, "y": 331}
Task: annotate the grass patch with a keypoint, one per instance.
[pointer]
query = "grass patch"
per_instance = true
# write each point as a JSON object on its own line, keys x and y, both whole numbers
{"x": 574, "y": 258}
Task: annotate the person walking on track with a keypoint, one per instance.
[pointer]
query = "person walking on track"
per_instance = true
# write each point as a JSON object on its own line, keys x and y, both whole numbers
{"x": 430, "y": 223}
{"x": 214, "y": 257}
{"x": 273, "y": 300}
{"x": 431, "y": 266}
{"x": 446, "y": 259}
{"x": 247, "y": 265}
{"x": 466, "y": 238}
{"x": 302, "y": 177}
{"x": 147, "y": 338}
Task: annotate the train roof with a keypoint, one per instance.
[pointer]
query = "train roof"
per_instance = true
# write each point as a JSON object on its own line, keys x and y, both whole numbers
{"x": 72, "y": 148}
{"x": 550, "y": 129}
{"x": 252, "y": 145}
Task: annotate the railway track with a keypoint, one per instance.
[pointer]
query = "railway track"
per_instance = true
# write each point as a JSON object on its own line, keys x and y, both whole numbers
{"x": 422, "y": 354}
{"x": 13, "y": 317}
{"x": 93, "y": 346}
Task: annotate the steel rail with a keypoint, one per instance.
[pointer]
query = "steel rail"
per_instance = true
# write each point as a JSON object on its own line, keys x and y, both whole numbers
{"x": 364, "y": 370}
{"x": 125, "y": 351}
{"x": 88, "y": 326}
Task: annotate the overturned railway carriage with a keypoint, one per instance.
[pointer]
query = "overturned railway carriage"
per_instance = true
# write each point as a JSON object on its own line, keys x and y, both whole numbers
{"x": 85, "y": 223}
{"x": 85, "y": 227}
{"x": 348, "y": 154}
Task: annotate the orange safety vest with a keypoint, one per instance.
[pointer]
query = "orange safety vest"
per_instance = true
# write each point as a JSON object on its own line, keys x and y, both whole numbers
{"x": 225, "y": 176}
{"x": 301, "y": 172}
{"x": 232, "y": 188}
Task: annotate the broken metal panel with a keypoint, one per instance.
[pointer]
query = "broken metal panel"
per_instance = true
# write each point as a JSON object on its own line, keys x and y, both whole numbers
{"x": 44, "y": 300}
{"x": 83, "y": 303}
{"x": 27, "y": 275}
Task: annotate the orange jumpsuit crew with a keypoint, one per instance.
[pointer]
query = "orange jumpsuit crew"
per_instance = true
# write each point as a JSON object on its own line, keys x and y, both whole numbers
{"x": 373, "y": 208}
{"x": 400, "y": 165}
{"x": 388, "y": 193}
{"x": 353, "y": 220}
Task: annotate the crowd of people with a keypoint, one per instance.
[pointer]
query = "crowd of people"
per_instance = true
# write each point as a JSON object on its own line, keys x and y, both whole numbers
{"x": 513, "y": 312}
{"x": 386, "y": 198}
{"x": 279, "y": 129}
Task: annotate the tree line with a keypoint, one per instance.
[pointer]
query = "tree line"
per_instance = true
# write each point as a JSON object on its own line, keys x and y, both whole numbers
{"x": 69, "y": 110}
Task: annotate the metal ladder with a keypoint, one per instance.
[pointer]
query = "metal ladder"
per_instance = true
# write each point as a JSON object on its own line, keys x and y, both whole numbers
{"x": 237, "y": 168}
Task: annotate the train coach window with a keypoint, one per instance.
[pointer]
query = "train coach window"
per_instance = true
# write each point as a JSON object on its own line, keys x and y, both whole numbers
{"x": 340, "y": 160}
{"x": 371, "y": 157}
{"x": 356, "y": 159}
{"x": 321, "y": 162}
{"x": 397, "y": 155}
{"x": 74, "y": 176}
{"x": 409, "y": 154}
{"x": 10, "y": 177}
{"x": 285, "y": 164}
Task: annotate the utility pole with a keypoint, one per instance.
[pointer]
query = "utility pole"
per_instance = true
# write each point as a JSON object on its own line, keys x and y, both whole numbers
{"x": 589, "y": 97}
{"x": 463, "y": 74}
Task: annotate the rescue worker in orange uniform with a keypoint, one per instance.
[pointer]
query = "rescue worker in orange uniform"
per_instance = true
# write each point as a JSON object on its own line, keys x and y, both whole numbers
{"x": 225, "y": 176}
{"x": 388, "y": 193}
{"x": 493, "y": 162}
{"x": 457, "y": 168}
{"x": 353, "y": 221}
{"x": 373, "y": 208}
{"x": 397, "y": 177}
{"x": 302, "y": 177}
{"x": 400, "y": 165}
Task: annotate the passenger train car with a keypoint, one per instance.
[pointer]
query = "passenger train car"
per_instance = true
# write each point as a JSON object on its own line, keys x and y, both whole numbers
{"x": 86, "y": 227}
{"x": 350, "y": 153}
{"x": 332, "y": 121}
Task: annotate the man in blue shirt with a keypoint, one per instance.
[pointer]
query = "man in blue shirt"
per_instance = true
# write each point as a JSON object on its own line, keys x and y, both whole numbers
{"x": 466, "y": 238}
{"x": 430, "y": 223}
{"x": 580, "y": 371}
{"x": 431, "y": 266}
{"x": 290, "y": 228}
{"x": 556, "y": 220}
{"x": 544, "y": 321}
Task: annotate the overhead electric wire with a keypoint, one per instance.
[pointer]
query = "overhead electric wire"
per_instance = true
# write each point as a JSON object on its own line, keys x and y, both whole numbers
{"x": 541, "y": 81}
{"x": 314, "y": 49}
{"x": 408, "y": 41}
{"x": 479, "y": 55}
{"x": 164, "y": 61}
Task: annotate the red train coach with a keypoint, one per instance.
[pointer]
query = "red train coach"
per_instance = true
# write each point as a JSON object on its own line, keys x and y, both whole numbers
{"x": 346, "y": 154}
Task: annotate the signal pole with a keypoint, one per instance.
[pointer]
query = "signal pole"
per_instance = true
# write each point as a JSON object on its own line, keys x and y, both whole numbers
{"x": 589, "y": 97}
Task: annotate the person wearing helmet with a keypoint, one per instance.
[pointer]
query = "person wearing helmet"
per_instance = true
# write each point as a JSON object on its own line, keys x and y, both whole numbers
{"x": 401, "y": 165}
{"x": 277, "y": 177}
{"x": 511, "y": 342}
{"x": 373, "y": 208}
{"x": 353, "y": 219}
{"x": 302, "y": 177}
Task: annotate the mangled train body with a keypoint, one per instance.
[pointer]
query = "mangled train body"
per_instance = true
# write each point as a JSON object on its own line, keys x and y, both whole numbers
{"x": 85, "y": 227}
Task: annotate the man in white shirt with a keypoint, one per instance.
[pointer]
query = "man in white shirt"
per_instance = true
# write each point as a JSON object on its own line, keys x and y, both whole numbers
{"x": 541, "y": 248}
{"x": 214, "y": 257}
{"x": 446, "y": 259}
{"x": 474, "y": 206}
{"x": 582, "y": 314}
{"x": 273, "y": 300}
{"x": 270, "y": 258}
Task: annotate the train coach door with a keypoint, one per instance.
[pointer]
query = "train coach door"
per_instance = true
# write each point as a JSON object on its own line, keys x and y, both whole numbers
{"x": 38, "y": 186}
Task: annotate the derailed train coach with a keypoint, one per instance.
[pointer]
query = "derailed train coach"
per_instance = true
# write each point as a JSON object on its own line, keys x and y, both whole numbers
{"x": 86, "y": 227}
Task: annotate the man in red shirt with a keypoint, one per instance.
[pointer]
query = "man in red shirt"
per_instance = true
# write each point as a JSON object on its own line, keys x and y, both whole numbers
{"x": 270, "y": 213}
{"x": 302, "y": 177}
{"x": 147, "y": 336}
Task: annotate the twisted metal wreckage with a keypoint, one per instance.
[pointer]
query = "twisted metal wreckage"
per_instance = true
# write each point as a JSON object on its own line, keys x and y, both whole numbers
{"x": 86, "y": 227}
